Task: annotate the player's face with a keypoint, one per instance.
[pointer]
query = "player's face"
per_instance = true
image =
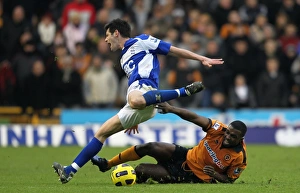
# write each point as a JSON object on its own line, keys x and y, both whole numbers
{"x": 232, "y": 137}
{"x": 112, "y": 40}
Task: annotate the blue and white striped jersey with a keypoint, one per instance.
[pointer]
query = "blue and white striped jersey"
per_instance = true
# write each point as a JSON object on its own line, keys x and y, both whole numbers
{"x": 139, "y": 59}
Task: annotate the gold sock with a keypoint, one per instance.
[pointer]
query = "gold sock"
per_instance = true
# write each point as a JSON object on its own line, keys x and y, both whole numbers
{"x": 123, "y": 157}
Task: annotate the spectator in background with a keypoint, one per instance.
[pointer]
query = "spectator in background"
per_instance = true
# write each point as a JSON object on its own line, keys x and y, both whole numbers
{"x": 257, "y": 33}
{"x": 59, "y": 38}
{"x": 294, "y": 98}
{"x": 204, "y": 21}
{"x": 101, "y": 19}
{"x": 164, "y": 71}
{"x": 121, "y": 95}
{"x": 183, "y": 75}
{"x": 241, "y": 60}
{"x": 186, "y": 39}
{"x": 46, "y": 30}
{"x": 67, "y": 84}
{"x": 7, "y": 84}
{"x": 179, "y": 21}
{"x": 196, "y": 46}
{"x": 272, "y": 89}
{"x": 139, "y": 13}
{"x": 37, "y": 88}
{"x": 110, "y": 6}
{"x": 286, "y": 61}
{"x": 251, "y": 9}
{"x": 83, "y": 8}
{"x": 12, "y": 30}
{"x": 269, "y": 49}
{"x": 219, "y": 101}
{"x": 74, "y": 32}
{"x": 100, "y": 84}
{"x": 22, "y": 65}
{"x": 214, "y": 78}
{"x": 221, "y": 12}
{"x": 269, "y": 32}
{"x": 193, "y": 20}
{"x": 158, "y": 22}
{"x": 291, "y": 9}
{"x": 290, "y": 37}
{"x": 60, "y": 51}
{"x": 234, "y": 27}
{"x": 104, "y": 51}
{"x": 91, "y": 40}
{"x": 81, "y": 58}
{"x": 289, "y": 42}
{"x": 241, "y": 95}
{"x": 210, "y": 34}
{"x": 172, "y": 36}
{"x": 281, "y": 20}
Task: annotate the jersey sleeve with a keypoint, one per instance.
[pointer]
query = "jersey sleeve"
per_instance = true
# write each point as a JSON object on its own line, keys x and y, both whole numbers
{"x": 236, "y": 168}
{"x": 156, "y": 45}
{"x": 215, "y": 127}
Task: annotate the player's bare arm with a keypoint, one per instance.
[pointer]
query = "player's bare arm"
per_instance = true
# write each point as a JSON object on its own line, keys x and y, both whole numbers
{"x": 183, "y": 53}
{"x": 184, "y": 114}
{"x": 209, "y": 170}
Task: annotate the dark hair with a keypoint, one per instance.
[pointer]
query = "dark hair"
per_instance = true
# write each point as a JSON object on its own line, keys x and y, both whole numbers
{"x": 239, "y": 125}
{"x": 118, "y": 24}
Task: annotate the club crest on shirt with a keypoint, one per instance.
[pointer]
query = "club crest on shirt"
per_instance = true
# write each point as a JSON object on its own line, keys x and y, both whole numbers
{"x": 227, "y": 157}
{"x": 216, "y": 126}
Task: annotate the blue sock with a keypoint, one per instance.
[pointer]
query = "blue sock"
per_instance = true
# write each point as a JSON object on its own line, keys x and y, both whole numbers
{"x": 90, "y": 150}
{"x": 159, "y": 96}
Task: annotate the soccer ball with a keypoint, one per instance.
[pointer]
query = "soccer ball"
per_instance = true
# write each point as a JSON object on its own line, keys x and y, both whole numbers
{"x": 123, "y": 175}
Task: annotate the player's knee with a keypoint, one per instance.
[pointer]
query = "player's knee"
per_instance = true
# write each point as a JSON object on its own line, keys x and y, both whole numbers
{"x": 137, "y": 102}
{"x": 146, "y": 149}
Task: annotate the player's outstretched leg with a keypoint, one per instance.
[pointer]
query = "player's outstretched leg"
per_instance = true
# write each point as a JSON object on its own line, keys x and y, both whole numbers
{"x": 104, "y": 165}
{"x": 63, "y": 176}
{"x": 101, "y": 163}
{"x": 194, "y": 88}
{"x": 66, "y": 173}
{"x": 159, "y": 96}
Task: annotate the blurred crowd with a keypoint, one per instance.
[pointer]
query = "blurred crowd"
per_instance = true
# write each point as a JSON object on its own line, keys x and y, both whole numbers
{"x": 53, "y": 53}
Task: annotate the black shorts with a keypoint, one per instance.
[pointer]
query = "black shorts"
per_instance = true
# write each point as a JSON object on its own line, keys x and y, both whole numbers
{"x": 175, "y": 168}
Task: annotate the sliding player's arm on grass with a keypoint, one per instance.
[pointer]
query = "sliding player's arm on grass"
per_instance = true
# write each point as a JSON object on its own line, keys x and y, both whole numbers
{"x": 209, "y": 170}
{"x": 184, "y": 114}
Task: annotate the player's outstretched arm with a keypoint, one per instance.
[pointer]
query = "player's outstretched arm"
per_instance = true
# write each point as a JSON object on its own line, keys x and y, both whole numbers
{"x": 184, "y": 114}
{"x": 183, "y": 53}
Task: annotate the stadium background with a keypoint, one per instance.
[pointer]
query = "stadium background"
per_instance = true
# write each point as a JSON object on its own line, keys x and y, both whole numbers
{"x": 59, "y": 80}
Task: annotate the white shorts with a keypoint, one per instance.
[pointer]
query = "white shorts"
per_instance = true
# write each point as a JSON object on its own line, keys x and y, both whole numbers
{"x": 130, "y": 117}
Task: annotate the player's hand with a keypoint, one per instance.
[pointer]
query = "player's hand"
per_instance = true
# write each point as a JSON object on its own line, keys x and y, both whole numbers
{"x": 163, "y": 108}
{"x": 209, "y": 170}
{"x": 210, "y": 62}
{"x": 134, "y": 130}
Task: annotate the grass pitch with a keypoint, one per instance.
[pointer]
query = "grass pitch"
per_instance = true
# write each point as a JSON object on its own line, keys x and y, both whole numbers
{"x": 28, "y": 170}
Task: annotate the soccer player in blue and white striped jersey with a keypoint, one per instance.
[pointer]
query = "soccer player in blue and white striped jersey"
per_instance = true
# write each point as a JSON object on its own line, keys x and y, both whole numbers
{"x": 140, "y": 63}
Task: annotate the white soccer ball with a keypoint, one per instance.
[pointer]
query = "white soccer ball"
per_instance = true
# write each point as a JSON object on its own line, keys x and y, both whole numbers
{"x": 123, "y": 175}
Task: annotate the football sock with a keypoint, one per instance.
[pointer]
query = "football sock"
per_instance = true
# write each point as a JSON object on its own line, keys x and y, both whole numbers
{"x": 90, "y": 150}
{"x": 159, "y": 96}
{"x": 125, "y": 156}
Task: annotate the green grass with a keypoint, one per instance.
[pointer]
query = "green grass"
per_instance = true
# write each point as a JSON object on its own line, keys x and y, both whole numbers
{"x": 28, "y": 170}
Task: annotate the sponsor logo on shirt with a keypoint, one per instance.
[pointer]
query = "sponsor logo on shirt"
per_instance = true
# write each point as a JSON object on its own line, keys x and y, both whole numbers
{"x": 128, "y": 68}
{"x": 213, "y": 156}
